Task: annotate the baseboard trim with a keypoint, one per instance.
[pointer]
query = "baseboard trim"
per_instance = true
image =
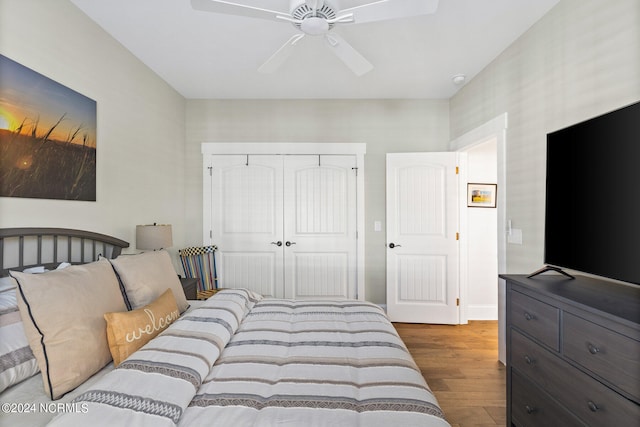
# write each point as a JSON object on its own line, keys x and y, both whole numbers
{"x": 482, "y": 312}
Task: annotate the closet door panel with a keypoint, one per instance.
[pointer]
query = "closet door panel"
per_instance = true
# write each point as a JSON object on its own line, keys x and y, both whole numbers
{"x": 320, "y": 226}
{"x": 247, "y": 221}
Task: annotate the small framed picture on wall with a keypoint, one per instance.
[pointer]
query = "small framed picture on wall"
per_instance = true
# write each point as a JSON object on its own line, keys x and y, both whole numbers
{"x": 481, "y": 195}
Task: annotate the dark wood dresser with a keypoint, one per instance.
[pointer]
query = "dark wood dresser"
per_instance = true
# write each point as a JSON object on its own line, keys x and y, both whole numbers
{"x": 573, "y": 352}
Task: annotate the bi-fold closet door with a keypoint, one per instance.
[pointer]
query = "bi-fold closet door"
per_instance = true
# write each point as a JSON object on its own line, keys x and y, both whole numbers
{"x": 285, "y": 225}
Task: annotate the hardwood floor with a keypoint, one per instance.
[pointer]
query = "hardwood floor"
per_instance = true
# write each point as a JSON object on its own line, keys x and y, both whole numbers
{"x": 460, "y": 363}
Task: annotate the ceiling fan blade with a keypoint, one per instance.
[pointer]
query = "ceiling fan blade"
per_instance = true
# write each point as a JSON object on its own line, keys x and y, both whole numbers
{"x": 383, "y": 10}
{"x": 228, "y": 8}
{"x": 351, "y": 57}
{"x": 281, "y": 55}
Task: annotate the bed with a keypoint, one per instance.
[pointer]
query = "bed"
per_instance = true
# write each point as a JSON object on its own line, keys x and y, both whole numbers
{"x": 236, "y": 359}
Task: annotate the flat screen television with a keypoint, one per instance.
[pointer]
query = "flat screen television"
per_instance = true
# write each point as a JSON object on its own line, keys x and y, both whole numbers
{"x": 592, "y": 211}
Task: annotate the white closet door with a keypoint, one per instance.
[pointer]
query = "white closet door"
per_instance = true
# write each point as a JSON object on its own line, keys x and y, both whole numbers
{"x": 320, "y": 226}
{"x": 247, "y": 222}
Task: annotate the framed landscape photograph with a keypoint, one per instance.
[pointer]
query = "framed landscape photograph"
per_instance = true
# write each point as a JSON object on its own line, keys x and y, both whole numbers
{"x": 47, "y": 137}
{"x": 481, "y": 195}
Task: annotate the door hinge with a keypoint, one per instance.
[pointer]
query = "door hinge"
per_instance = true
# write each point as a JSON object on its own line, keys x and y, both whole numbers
{"x": 210, "y": 170}
{"x": 457, "y": 236}
{"x": 211, "y": 234}
{"x": 355, "y": 169}
{"x": 457, "y": 301}
{"x": 457, "y": 170}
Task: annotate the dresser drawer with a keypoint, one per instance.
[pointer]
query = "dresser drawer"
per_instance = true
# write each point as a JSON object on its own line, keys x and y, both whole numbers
{"x": 536, "y": 318}
{"x": 613, "y": 357}
{"x": 530, "y": 406}
{"x": 585, "y": 397}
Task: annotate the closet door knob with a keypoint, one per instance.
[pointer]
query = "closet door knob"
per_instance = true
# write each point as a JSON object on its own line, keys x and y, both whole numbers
{"x": 278, "y": 243}
{"x": 288, "y": 243}
{"x": 393, "y": 245}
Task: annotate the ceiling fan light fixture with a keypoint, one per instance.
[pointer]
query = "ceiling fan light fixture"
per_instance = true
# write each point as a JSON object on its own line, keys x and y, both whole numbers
{"x": 314, "y": 26}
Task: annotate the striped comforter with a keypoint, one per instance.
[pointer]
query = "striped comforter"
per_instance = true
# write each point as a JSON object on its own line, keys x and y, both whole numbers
{"x": 241, "y": 360}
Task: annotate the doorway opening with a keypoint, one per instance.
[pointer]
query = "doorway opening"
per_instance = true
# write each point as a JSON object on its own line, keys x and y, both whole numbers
{"x": 479, "y": 143}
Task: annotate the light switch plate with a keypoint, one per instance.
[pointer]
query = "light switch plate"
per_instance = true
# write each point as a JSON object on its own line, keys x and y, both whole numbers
{"x": 515, "y": 237}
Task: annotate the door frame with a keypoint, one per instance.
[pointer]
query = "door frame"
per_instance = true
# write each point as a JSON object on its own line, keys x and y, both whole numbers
{"x": 283, "y": 148}
{"x": 495, "y": 128}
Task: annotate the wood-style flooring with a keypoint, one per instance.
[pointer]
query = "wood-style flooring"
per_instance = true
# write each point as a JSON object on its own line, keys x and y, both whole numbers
{"x": 460, "y": 364}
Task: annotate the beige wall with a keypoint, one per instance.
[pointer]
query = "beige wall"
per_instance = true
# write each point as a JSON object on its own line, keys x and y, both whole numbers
{"x": 140, "y": 135}
{"x": 384, "y": 125}
{"x": 580, "y": 60}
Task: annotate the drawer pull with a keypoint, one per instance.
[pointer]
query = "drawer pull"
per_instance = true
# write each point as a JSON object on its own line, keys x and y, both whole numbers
{"x": 528, "y": 316}
{"x": 530, "y": 410}
{"x": 528, "y": 359}
{"x": 593, "y": 407}
{"x": 593, "y": 349}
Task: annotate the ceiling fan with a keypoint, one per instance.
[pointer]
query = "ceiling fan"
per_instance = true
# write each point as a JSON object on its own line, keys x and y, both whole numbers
{"x": 318, "y": 18}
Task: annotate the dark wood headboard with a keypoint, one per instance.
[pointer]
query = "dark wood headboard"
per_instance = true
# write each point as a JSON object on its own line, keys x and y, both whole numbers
{"x": 22, "y": 248}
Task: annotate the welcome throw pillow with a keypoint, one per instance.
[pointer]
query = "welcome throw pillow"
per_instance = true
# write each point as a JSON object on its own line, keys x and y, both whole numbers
{"x": 130, "y": 330}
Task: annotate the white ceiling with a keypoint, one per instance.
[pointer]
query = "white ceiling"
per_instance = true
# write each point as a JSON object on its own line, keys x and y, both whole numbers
{"x": 208, "y": 55}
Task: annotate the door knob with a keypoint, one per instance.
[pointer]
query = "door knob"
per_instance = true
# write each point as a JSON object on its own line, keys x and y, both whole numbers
{"x": 278, "y": 243}
{"x": 288, "y": 243}
{"x": 393, "y": 245}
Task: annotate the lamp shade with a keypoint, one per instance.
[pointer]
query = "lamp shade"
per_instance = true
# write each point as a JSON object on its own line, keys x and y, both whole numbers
{"x": 152, "y": 237}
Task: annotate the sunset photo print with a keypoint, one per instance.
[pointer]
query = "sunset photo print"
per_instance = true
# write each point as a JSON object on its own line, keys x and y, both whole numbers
{"x": 47, "y": 137}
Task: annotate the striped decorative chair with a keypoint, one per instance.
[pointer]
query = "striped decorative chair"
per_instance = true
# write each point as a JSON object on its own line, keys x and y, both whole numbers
{"x": 200, "y": 262}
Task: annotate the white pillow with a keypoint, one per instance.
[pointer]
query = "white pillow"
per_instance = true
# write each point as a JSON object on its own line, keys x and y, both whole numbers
{"x": 17, "y": 361}
{"x": 63, "y": 315}
{"x": 146, "y": 276}
{"x": 7, "y": 283}
{"x": 35, "y": 270}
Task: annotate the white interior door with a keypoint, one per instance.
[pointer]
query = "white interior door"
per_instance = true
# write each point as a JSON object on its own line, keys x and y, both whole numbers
{"x": 246, "y": 219}
{"x": 320, "y": 226}
{"x": 422, "y": 245}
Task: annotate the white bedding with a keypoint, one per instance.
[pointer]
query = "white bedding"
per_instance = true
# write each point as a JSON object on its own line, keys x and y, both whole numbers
{"x": 312, "y": 364}
{"x": 27, "y": 405}
{"x": 238, "y": 360}
{"x": 30, "y": 406}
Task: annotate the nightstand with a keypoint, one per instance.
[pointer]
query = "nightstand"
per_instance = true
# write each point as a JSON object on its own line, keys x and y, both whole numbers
{"x": 202, "y": 295}
{"x": 190, "y": 287}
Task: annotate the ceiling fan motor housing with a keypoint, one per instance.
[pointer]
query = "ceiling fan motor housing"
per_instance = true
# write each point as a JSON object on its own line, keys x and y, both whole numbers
{"x": 314, "y": 22}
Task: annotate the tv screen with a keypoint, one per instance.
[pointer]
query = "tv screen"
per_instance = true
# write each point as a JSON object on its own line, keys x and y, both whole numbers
{"x": 592, "y": 217}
